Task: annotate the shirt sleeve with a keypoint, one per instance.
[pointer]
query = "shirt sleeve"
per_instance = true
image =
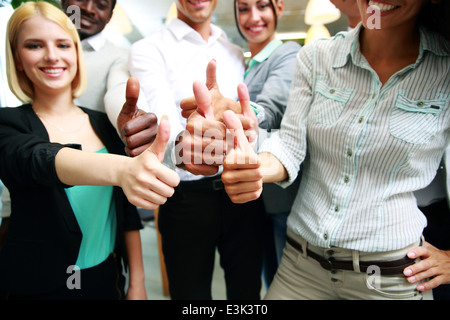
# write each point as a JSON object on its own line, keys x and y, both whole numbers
{"x": 25, "y": 158}
{"x": 147, "y": 64}
{"x": 289, "y": 143}
{"x": 275, "y": 93}
{"x": 116, "y": 85}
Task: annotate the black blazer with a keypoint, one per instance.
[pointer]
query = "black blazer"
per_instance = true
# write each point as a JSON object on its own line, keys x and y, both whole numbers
{"x": 43, "y": 237}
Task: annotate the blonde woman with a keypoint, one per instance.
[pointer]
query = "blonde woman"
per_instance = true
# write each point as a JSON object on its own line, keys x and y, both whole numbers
{"x": 70, "y": 222}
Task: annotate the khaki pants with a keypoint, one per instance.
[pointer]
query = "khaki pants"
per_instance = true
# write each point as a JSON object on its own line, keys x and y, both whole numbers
{"x": 301, "y": 277}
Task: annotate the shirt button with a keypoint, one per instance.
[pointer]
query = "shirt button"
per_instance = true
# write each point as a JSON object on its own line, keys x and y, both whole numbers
{"x": 420, "y": 104}
{"x": 332, "y": 91}
{"x": 346, "y": 179}
{"x": 349, "y": 152}
{"x": 325, "y": 236}
{"x": 361, "y": 120}
{"x": 336, "y": 209}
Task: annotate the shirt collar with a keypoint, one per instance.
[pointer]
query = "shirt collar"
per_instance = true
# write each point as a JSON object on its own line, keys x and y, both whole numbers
{"x": 181, "y": 30}
{"x": 429, "y": 41}
{"x": 264, "y": 54}
{"x": 95, "y": 42}
{"x": 350, "y": 46}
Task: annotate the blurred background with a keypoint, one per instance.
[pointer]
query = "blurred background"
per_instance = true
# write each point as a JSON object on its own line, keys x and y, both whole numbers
{"x": 135, "y": 19}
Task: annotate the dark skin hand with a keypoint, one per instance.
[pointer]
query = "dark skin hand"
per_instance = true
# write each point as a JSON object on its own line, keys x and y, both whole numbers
{"x": 137, "y": 128}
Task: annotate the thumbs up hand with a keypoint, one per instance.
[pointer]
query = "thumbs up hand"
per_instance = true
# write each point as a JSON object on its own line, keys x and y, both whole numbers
{"x": 203, "y": 141}
{"x": 146, "y": 182}
{"x": 242, "y": 173}
{"x": 137, "y": 127}
{"x": 219, "y": 103}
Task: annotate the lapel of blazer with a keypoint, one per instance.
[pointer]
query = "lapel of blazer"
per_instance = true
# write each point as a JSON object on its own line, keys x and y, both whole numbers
{"x": 38, "y": 128}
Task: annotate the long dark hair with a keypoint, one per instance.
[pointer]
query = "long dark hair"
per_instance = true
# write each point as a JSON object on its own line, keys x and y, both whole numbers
{"x": 436, "y": 17}
{"x": 236, "y": 14}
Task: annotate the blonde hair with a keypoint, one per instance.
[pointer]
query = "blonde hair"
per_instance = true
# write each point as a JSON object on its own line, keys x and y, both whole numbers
{"x": 18, "y": 81}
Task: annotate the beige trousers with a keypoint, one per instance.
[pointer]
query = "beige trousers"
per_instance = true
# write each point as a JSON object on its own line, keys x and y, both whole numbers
{"x": 301, "y": 277}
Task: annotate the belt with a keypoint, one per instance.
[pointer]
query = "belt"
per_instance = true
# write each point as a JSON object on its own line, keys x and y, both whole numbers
{"x": 393, "y": 267}
{"x": 202, "y": 185}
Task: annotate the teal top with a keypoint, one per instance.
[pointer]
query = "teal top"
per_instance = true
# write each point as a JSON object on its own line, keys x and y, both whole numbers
{"x": 264, "y": 54}
{"x": 95, "y": 212}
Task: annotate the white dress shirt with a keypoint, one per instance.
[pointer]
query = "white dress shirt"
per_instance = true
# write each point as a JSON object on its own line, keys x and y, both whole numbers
{"x": 366, "y": 147}
{"x": 169, "y": 61}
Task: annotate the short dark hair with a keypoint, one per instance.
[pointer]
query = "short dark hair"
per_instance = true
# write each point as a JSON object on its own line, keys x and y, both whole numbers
{"x": 113, "y": 4}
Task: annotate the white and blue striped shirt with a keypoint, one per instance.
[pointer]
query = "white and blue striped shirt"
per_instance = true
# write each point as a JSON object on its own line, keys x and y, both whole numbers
{"x": 366, "y": 146}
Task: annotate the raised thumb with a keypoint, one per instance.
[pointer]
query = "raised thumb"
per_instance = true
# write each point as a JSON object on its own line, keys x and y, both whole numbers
{"x": 203, "y": 98}
{"x": 244, "y": 100}
{"x": 158, "y": 147}
{"x": 211, "y": 78}
{"x": 234, "y": 126}
{"x": 132, "y": 96}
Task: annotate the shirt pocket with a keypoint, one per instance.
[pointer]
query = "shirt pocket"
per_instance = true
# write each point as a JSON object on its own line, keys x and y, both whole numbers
{"x": 329, "y": 103}
{"x": 415, "y": 121}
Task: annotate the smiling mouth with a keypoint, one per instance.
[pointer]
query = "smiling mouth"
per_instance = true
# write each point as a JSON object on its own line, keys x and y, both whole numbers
{"x": 383, "y": 7}
{"x": 87, "y": 22}
{"x": 52, "y": 72}
{"x": 255, "y": 29}
{"x": 197, "y": 2}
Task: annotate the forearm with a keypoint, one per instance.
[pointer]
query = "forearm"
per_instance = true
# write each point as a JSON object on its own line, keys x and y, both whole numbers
{"x": 272, "y": 169}
{"x": 134, "y": 252}
{"x": 75, "y": 167}
{"x": 136, "y": 289}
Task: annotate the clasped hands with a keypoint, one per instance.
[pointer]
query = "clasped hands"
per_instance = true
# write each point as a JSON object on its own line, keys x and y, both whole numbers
{"x": 221, "y": 131}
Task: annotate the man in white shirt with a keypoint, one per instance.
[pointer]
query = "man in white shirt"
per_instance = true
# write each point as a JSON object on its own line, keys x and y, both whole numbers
{"x": 200, "y": 217}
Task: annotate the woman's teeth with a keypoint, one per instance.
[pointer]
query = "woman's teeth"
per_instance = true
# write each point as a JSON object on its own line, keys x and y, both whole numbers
{"x": 382, "y": 6}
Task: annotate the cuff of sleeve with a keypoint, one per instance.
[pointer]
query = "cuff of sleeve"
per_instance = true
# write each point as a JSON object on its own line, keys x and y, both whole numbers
{"x": 259, "y": 111}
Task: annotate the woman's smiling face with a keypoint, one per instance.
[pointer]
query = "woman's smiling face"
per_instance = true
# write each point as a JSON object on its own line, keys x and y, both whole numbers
{"x": 47, "y": 54}
{"x": 257, "y": 20}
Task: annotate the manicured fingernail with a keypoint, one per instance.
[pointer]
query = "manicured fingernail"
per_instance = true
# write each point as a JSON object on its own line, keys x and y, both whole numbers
{"x": 421, "y": 287}
{"x": 408, "y": 272}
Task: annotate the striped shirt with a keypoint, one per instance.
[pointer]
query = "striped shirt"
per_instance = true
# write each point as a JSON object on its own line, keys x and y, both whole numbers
{"x": 366, "y": 146}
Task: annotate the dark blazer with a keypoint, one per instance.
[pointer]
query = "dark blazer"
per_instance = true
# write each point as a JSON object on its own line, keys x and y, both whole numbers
{"x": 43, "y": 237}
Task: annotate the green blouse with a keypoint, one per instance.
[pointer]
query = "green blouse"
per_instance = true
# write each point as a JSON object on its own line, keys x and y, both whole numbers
{"x": 95, "y": 212}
